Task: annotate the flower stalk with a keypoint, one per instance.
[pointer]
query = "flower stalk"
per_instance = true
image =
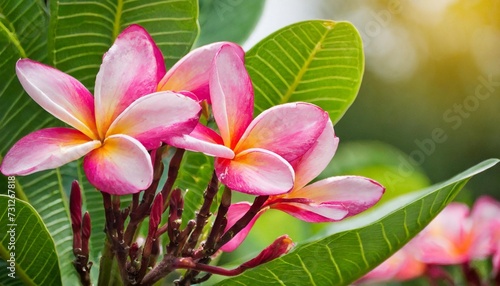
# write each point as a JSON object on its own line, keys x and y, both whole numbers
{"x": 81, "y": 235}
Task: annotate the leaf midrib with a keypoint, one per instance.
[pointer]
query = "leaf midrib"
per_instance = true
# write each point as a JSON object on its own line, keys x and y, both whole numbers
{"x": 14, "y": 40}
{"x": 305, "y": 66}
{"x": 118, "y": 19}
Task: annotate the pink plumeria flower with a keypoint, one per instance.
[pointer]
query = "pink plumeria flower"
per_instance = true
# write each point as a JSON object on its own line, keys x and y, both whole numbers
{"x": 486, "y": 213}
{"x": 455, "y": 236}
{"x": 327, "y": 200}
{"x": 252, "y": 156}
{"x": 114, "y": 129}
{"x": 401, "y": 266}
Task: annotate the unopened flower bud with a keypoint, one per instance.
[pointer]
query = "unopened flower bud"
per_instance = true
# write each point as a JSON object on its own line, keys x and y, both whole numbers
{"x": 75, "y": 208}
{"x": 280, "y": 246}
{"x": 86, "y": 230}
{"x": 156, "y": 212}
{"x": 176, "y": 204}
{"x": 133, "y": 251}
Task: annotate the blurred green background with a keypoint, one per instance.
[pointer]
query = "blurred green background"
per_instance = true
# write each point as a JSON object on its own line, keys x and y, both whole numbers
{"x": 432, "y": 81}
{"x": 431, "y": 67}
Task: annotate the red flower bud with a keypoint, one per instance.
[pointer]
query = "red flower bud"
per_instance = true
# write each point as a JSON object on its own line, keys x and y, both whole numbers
{"x": 86, "y": 230}
{"x": 280, "y": 246}
{"x": 75, "y": 208}
{"x": 156, "y": 212}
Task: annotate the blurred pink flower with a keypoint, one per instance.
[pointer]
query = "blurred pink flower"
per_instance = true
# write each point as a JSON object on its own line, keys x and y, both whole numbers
{"x": 401, "y": 266}
{"x": 457, "y": 235}
{"x": 115, "y": 128}
{"x": 486, "y": 213}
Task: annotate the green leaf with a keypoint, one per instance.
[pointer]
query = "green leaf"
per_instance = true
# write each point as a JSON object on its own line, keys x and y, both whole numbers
{"x": 47, "y": 194}
{"x": 228, "y": 20}
{"x": 355, "y": 247}
{"x": 26, "y": 241}
{"x": 22, "y": 34}
{"x": 320, "y": 62}
{"x": 81, "y": 32}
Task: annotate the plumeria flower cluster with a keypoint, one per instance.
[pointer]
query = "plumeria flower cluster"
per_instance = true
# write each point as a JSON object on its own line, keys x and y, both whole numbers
{"x": 139, "y": 111}
{"x": 457, "y": 236}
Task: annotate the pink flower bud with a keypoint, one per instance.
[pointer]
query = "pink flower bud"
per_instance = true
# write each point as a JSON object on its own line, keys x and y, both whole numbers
{"x": 133, "y": 251}
{"x": 280, "y": 246}
{"x": 156, "y": 211}
{"x": 86, "y": 230}
{"x": 75, "y": 206}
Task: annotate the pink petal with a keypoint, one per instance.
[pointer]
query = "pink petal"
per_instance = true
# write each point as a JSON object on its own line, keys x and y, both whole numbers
{"x": 46, "y": 149}
{"x": 202, "y": 139}
{"x": 485, "y": 209}
{"x": 232, "y": 95}
{"x": 401, "y": 266}
{"x": 130, "y": 69}
{"x": 156, "y": 117}
{"x": 312, "y": 212}
{"x": 60, "y": 94}
{"x": 235, "y": 212}
{"x": 191, "y": 73}
{"x": 485, "y": 232}
{"x": 496, "y": 263}
{"x": 315, "y": 160}
{"x": 331, "y": 199}
{"x": 121, "y": 166}
{"x": 256, "y": 172}
{"x": 288, "y": 130}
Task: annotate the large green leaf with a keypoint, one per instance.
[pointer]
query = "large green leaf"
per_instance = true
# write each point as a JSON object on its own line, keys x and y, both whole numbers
{"x": 26, "y": 244}
{"x": 228, "y": 20}
{"x": 22, "y": 34}
{"x": 355, "y": 247}
{"x": 81, "y": 32}
{"x": 321, "y": 62}
{"x": 46, "y": 192}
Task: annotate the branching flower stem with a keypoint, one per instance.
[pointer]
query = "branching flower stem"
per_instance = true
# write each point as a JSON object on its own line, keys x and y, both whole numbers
{"x": 139, "y": 211}
{"x": 114, "y": 233}
{"x": 173, "y": 171}
{"x": 203, "y": 214}
{"x": 241, "y": 223}
{"x": 184, "y": 250}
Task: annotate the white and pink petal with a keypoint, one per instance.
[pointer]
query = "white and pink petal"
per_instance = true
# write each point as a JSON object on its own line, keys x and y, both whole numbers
{"x": 288, "y": 130}
{"x": 130, "y": 69}
{"x": 256, "y": 172}
{"x": 231, "y": 93}
{"x": 60, "y": 94}
{"x": 121, "y": 166}
{"x": 191, "y": 73}
{"x": 46, "y": 149}
{"x": 315, "y": 160}
{"x": 353, "y": 194}
{"x": 155, "y": 118}
{"x": 311, "y": 212}
{"x": 202, "y": 139}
